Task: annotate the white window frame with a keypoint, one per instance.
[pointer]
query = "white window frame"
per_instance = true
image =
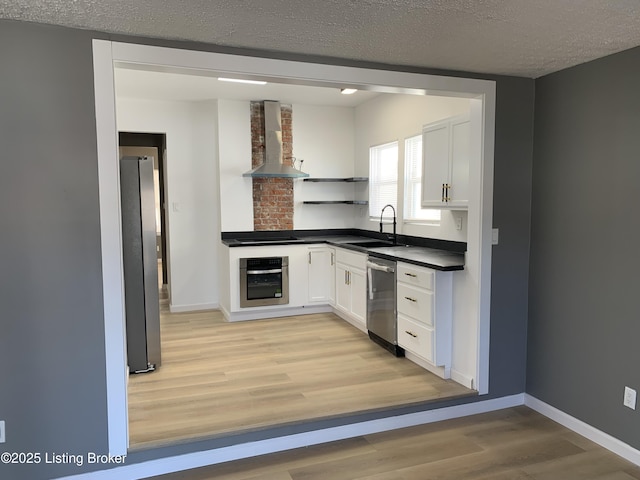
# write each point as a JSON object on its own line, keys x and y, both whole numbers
{"x": 413, "y": 211}
{"x": 381, "y": 153}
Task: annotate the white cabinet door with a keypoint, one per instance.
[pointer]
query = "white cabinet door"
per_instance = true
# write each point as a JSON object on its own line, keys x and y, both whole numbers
{"x": 435, "y": 163}
{"x": 332, "y": 276}
{"x": 351, "y": 287}
{"x": 460, "y": 154}
{"x": 343, "y": 291}
{"x": 445, "y": 163}
{"x": 358, "y": 284}
{"x": 321, "y": 274}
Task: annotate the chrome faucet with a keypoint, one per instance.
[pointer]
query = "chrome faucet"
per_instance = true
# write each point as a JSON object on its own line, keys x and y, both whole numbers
{"x": 394, "y": 221}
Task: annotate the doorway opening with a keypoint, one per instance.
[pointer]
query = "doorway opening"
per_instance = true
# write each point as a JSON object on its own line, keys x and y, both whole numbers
{"x": 476, "y": 289}
{"x": 153, "y": 145}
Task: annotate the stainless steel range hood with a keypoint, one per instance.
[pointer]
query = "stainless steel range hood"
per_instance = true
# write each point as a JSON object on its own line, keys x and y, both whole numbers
{"x": 273, "y": 166}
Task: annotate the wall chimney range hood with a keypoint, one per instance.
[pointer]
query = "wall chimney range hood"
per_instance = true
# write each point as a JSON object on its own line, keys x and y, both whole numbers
{"x": 273, "y": 166}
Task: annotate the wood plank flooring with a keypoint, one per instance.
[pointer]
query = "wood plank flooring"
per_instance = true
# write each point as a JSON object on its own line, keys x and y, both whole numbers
{"x": 511, "y": 444}
{"x": 218, "y": 377}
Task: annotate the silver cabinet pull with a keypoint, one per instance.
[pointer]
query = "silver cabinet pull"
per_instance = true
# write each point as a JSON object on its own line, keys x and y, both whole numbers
{"x": 411, "y": 333}
{"x": 309, "y": 258}
{"x": 332, "y": 258}
{"x": 411, "y": 299}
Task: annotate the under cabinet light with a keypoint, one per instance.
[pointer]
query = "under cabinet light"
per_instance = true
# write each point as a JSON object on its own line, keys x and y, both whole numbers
{"x": 348, "y": 91}
{"x": 240, "y": 80}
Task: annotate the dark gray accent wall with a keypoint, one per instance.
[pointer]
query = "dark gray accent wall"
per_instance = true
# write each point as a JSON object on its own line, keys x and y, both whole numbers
{"x": 52, "y": 394}
{"x": 52, "y": 375}
{"x": 511, "y": 215}
{"x": 584, "y": 313}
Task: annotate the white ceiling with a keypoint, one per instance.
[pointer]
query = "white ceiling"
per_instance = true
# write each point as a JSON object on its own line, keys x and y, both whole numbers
{"x": 527, "y": 38}
{"x": 143, "y": 84}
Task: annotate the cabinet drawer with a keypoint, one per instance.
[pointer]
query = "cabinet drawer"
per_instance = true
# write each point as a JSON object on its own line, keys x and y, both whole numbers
{"x": 416, "y": 303}
{"x": 418, "y": 276}
{"x": 352, "y": 259}
{"x": 415, "y": 337}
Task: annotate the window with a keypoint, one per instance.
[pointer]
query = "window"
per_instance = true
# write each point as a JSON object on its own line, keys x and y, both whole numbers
{"x": 383, "y": 178}
{"x": 413, "y": 212}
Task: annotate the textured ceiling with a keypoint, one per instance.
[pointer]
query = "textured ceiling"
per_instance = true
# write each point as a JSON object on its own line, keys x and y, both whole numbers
{"x": 526, "y": 38}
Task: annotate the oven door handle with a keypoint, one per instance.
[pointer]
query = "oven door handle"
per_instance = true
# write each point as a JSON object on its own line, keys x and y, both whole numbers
{"x": 264, "y": 272}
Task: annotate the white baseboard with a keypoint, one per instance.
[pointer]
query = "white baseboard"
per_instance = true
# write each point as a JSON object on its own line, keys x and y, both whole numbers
{"x": 272, "y": 445}
{"x": 350, "y": 319}
{"x": 462, "y": 379}
{"x": 197, "y": 307}
{"x": 442, "y": 372}
{"x": 260, "y": 314}
{"x": 603, "y": 439}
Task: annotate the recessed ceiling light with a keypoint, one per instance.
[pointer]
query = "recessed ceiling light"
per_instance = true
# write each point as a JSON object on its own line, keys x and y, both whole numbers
{"x": 240, "y": 80}
{"x": 348, "y": 91}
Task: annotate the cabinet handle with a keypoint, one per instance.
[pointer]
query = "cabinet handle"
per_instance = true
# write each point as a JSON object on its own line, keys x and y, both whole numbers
{"x": 442, "y": 195}
{"x": 345, "y": 278}
{"x": 411, "y": 299}
{"x": 411, "y": 333}
{"x": 331, "y": 258}
{"x": 448, "y": 198}
{"x": 309, "y": 258}
{"x": 348, "y": 278}
{"x": 410, "y": 274}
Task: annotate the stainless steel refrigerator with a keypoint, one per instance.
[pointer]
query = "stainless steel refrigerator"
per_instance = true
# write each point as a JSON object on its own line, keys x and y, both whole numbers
{"x": 140, "y": 264}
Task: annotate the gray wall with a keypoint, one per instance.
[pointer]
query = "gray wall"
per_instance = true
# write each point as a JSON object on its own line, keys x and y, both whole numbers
{"x": 52, "y": 380}
{"x": 584, "y": 314}
{"x": 53, "y": 395}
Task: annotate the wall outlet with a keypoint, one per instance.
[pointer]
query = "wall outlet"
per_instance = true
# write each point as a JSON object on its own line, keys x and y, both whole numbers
{"x": 495, "y": 235}
{"x": 458, "y": 223}
{"x": 2, "y": 438}
{"x": 629, "y": 398}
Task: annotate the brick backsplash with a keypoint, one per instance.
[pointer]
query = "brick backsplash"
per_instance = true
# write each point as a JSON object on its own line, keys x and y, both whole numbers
{"x": 272, "y": 197}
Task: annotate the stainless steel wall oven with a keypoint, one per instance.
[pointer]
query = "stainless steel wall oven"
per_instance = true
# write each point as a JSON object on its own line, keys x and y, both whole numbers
{"x": 264, "y": 281}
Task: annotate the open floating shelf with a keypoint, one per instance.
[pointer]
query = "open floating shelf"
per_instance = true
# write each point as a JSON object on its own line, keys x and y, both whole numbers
{"x": 328, "y": 202}
{"x": 349, "y": 179}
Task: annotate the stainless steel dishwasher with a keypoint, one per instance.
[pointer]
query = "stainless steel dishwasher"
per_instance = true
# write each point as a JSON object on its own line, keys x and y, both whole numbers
{"x": 381, "y": 304}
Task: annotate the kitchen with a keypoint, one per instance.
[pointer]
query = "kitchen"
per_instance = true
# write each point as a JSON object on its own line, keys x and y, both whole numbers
{"x": 332, "y": 140}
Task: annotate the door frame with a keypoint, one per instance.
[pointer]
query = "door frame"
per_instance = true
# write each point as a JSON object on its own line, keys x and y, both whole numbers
{"x": 107, "y": 55}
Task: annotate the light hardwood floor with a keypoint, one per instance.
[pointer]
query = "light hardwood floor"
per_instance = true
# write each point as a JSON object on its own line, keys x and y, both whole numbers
{"x": 218, "y": 377}
{"x": 511, "y": 444}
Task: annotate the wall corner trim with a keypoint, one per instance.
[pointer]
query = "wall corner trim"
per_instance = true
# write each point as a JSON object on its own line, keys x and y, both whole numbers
{"x": 603, "y": 439}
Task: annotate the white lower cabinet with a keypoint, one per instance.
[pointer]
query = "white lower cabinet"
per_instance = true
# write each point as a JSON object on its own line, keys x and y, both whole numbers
{"x": 321, "y": 278}
{"x": 351, "y": 286}
{"x": 424, "y": 304}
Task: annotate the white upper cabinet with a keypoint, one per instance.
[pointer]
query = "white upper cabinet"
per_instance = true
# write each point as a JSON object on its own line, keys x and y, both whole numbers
{"x": 445, "y": 167}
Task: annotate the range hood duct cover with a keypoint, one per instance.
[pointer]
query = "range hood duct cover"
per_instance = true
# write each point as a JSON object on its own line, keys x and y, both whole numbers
{"x": 273, "y": 166}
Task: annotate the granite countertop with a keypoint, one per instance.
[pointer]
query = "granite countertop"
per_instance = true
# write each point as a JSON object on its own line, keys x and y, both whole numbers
{"x": 438, "y": 259}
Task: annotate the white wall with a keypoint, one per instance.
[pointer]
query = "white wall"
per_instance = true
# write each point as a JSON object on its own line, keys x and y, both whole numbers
{"x": 234, "y": 144}
{"x": 394, "y": 117}
{"x": 191, "y": 195}
{"x": 324, "y": 137}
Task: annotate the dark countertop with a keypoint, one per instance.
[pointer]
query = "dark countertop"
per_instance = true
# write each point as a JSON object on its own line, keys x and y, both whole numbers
{"x": 436, "y": 258}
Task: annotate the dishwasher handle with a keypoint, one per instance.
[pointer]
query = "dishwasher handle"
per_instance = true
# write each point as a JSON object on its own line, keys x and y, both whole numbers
{"x": 380, "y": 268}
